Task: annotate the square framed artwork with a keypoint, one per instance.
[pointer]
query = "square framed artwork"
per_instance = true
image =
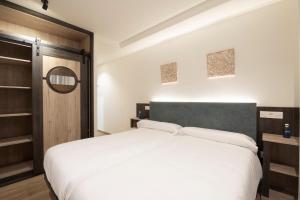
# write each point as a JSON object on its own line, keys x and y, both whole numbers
{"x": 168, "y": 73}
{"x": 221, "y": 64}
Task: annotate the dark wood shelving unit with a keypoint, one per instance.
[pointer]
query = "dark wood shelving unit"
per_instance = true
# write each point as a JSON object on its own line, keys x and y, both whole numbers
{"x": 24, "y": 47}
{"x": 16, "y": 140}
{"x": 287, "y": 172}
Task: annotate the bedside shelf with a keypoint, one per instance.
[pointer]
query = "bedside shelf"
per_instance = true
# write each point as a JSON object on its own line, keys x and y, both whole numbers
{"x": 133, "y": 122}
{"x": 16, "y": 169}
{"x": 267, "y": 137}
{"x": 284, "y": 169}
{"x": 15, "y": 140}
{"x": 276, "y": 143}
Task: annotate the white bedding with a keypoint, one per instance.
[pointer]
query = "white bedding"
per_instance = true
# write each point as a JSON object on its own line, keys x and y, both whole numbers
{"x": 145, "y": 164}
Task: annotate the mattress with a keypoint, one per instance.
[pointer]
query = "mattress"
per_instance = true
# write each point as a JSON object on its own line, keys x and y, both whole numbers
{"x": 151, "y": 164}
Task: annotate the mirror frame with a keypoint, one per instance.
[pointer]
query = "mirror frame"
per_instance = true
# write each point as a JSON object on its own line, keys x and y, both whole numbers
{"x": 72, "y": 74}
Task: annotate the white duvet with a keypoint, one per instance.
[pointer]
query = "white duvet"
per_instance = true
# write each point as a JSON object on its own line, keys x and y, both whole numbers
{"x": 145, "y": 164}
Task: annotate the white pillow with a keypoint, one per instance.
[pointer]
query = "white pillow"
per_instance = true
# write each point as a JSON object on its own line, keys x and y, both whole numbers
{"x": 163, "y": 126}
{"x": 237, "y": 139}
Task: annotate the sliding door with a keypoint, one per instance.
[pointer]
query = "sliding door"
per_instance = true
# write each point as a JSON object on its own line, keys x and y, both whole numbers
{"x": 61, "y": 93}
{"x": 61, "y": 101}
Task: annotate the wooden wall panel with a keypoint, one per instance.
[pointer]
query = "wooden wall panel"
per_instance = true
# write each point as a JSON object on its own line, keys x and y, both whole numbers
{"x": 61, "y": 111}
{"x": 46, "y": 38}
{"x": 275, "y": 126}
{"x": 15, "y": 154}
{"x": 15, "y": 75}
{"x": 15, "y": 101}
{"x": 9, "y": 49}
{"x": 51, "y": 62}
{"x": 15, "y": 126}
{"x": 85, "y": 44}
{"x": 142, "y": 108}
{"x": 33, "y": 22}
{"x": 284, "y": 184}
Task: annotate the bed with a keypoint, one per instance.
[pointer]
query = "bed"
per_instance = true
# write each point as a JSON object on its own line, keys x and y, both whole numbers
{"x": 152, "y": 163}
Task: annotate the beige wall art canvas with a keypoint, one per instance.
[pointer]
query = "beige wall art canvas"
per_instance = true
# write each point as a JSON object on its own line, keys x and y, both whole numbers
{"x": 220, "y": 64}
{"x": 168, "y": 73}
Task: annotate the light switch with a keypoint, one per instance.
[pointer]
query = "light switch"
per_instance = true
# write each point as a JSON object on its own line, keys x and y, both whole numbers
{"x": 271, "y": 114}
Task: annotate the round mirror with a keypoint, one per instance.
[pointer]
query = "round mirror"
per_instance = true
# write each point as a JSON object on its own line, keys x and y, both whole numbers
{"x": 62, "y": 79}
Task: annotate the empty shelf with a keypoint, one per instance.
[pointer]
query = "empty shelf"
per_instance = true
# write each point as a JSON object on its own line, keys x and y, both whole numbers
{"x": 11, "y": 60}
{"x": 15, "y": 140}
{"x": 15, "y": 169}
{"x": 15, "y": 115}
{"x": 283, "y": 169}
{"x": 14, "y": 87}
{"x": 280, "y": 139}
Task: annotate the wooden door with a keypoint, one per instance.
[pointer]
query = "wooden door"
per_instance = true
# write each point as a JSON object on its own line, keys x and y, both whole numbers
{"x": 61, "y": 111}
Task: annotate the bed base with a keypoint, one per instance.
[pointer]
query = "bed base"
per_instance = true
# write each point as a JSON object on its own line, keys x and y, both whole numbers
{"x": 54, "y": 197}
{"x": 51, "y": 192}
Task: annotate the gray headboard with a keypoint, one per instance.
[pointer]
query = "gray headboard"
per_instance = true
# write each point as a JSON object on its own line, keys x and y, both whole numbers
{"x": 235, "y": 117}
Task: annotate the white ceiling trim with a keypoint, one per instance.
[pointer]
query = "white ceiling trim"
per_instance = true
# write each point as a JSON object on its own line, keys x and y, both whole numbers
{"x": 223, "y": 11}
{"x": 196, "y": 10}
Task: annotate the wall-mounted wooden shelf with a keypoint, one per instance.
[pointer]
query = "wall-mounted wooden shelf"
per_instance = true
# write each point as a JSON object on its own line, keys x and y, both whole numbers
{"x": 267, "y": 137}
{"x": 15, "y": 115}
{"x": 14, "y": 87}
{"x": 15, "y": 169}
{"x": 284, "y": 169}
{"x": 16, "y": 61}
{"x": 15, "y": 140}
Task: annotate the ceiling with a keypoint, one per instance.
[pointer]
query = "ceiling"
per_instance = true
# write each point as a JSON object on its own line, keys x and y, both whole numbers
{"x": 116, "y": 20}
{"x": 123, "y": 27}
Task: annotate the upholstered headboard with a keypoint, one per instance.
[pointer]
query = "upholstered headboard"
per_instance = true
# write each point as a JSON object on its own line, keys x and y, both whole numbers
{"x": 235, "y": 117}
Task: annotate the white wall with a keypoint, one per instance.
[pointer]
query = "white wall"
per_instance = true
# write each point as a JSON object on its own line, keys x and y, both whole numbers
{"x": 266, "y": 47}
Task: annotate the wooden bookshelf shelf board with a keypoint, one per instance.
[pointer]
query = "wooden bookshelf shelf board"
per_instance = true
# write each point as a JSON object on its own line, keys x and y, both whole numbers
{"x": 275, "y": 195}
{"x": 10, "y": 60}
{"x": 14, "y": 43}
{"x": 15, "y": 140}
{"x": 15, "y": 115}
{"x": 280, "y": 139}
{"x": 15, "y": 169}
{"x": 15, "y": 87}
{"x": 284, "y": 169}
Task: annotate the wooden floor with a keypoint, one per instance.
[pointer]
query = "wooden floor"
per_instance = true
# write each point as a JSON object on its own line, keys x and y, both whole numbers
{"x": 30, "y": 189}
{"x": 101, "y": 133}
{"x": 37, "y": 189}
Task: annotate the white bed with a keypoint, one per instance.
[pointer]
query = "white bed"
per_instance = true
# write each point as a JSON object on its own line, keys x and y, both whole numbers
{"x": 148, "y": 164}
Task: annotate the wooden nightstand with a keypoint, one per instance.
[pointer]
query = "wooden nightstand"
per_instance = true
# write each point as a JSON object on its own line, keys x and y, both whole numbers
{"x": 279, "y": 160}
{"x": 134, "y": 121}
